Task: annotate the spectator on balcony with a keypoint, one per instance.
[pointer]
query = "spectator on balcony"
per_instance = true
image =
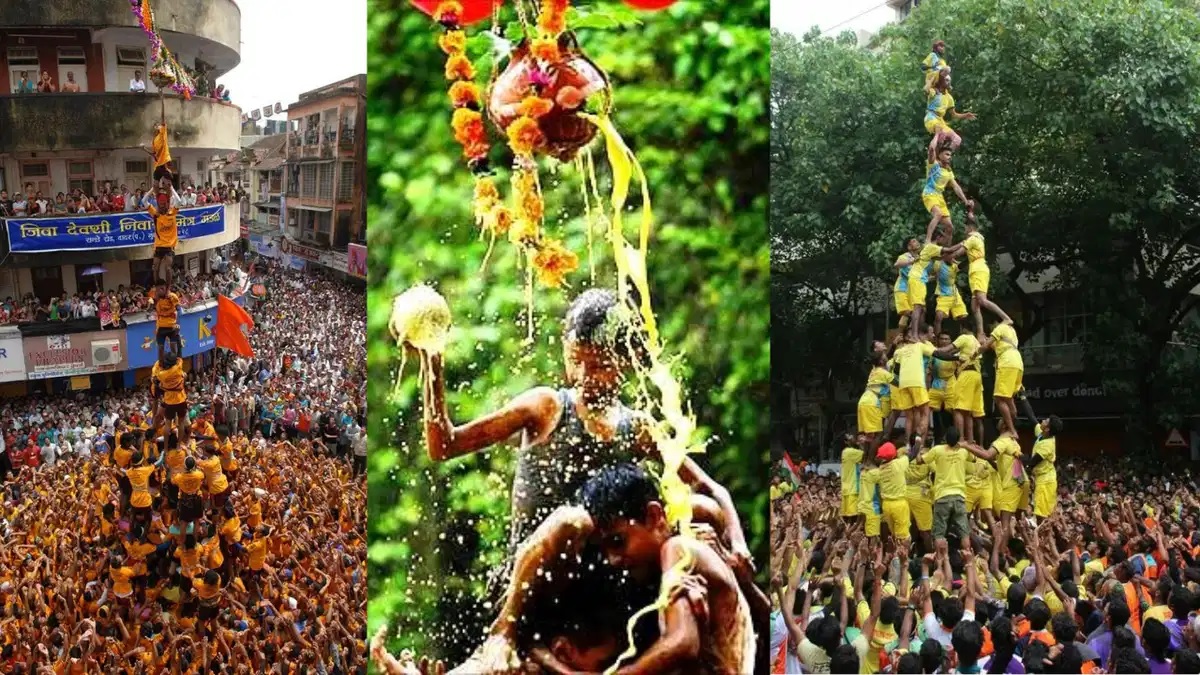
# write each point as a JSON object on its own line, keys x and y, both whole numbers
{"x": 133, "y": 201}
{"x": 189, "y": 197}
{"x": 20, "y": 207}
{"x": 5, "y": 204}
{"x": 137, "y": 84}
{"x": 73, "y": 206}
{"x": 46, "y": 84}
{"x": 118, "y": 199}
{"x": 24, "y": 85}
{"x": 60, "y": 204}
{"x": 70, "y": 86}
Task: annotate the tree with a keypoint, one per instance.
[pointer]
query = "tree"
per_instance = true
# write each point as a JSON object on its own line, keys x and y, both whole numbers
{"x": 1083, "y": 160}
{"x": 690, "y": 95}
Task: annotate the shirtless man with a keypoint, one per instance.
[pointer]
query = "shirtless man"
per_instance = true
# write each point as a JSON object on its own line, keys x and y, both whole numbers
{"x": 630, "y": 521}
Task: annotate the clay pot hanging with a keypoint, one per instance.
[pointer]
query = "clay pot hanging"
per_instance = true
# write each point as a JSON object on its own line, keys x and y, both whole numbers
{"x": 570, "y": 81}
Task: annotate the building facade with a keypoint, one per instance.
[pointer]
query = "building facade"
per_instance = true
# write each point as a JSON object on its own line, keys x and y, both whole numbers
{"x": 88, "y": 133}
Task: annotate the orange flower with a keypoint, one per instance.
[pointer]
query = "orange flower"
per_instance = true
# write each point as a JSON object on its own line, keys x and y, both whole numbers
{"x": 553, "y": 262}
{"x": 486, "y": 199}
{"x": 453, "y": 42}
{"x": 469, "y": 131}
{"x": 523, "y": 232}
{"x": 458, "y": 67}
{"x": 502, "y": 219}
{"x": 569, "y": 98}
{"x": 535, "y": 107}
{"x": 450, "y": 10}
{"x": 524, "y": 136}
{"x": 464, "y": 94}
{"x": 544, "y": 49}
{"x": 552, "y": 20}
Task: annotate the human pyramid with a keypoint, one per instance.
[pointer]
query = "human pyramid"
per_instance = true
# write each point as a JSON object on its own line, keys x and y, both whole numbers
{"x": 890, "y": 474}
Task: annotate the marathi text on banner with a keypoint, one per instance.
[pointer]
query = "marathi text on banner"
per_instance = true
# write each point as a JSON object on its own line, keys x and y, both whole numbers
{"x": 106, "y": 230}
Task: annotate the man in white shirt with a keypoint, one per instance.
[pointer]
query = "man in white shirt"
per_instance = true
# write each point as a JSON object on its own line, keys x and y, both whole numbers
{"x": 49, "y": 453}
{"x": 109, "y": 423}
{"x": 137, "y": 84}
{"x": 20, "y": 207}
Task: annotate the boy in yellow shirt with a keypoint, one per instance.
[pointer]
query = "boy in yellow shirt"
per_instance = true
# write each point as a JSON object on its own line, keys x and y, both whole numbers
{"x": 1010, "y": 371}
{"x": 851, "y": 466}
{"x": 1010, "y": 477}
{"x": 913, "y": 394}
{"x": 968, "y": 385}
{"x": 870, "y": 505}
{"x": 1041, "y": 464}
{"x": 979, "y": 275}
{"x": 949, "y": 465}
{"x": 893, "y": 490}
{"x": 165, "y": 213}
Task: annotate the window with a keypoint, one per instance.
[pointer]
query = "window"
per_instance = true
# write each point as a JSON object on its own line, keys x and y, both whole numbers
{"x": 71, "y": 56}
{"x": 308, "y": 180}
{"x": 87, "y": 283}
{"x": 79, "y": 169}
{"x": 200, "y": 166}
{"x": 346, "y": 182}
{"x": 325, "y": 181}
{"x": 35, "y": 170}
{"x": 22, "y": 56}
{"x": 141, "y": 273}
{"x": 137, "y": 167}
{"x": 134, "y": 57}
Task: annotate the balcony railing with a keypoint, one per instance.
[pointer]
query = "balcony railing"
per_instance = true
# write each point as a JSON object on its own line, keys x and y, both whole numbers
{"x": 347, "y": 138}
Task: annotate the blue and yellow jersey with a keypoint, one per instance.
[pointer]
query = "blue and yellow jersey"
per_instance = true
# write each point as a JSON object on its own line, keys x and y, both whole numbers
{"x": 879, "y": 381}
{"x": 902, "y": 276}
{"x": 934, "y": 63}
{"x": 940, "y": 103}
{"x": 943, "y": 370}
{"x": 947, "y": 276}
{"x": 937, "y": 177}
{"x": 920, "y": 269}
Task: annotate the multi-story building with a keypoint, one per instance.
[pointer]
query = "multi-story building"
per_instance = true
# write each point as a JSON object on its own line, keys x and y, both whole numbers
{"x": 322, "y": 211}
{"x": 60, "y": 141}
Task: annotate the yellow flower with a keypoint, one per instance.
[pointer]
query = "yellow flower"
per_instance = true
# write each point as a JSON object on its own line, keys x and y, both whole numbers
{"x": 553, "y": 262}
{"x": 535, "y": 107}
{"x": 502, "y": 219}
{"x": 552, "y": 20}
{"x": 458, "y": 67}
{"x": 544, "y": 49}
{"x": 486, "y": 197}
{"x": 523, "y": 231}
{"x": 524, "y": 136}
{"x": 453, "y": 42}
{"x": 464, "y": 94}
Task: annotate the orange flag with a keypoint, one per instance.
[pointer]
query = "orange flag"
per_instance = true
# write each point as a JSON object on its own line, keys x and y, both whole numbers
{"x": 228, "y": 331}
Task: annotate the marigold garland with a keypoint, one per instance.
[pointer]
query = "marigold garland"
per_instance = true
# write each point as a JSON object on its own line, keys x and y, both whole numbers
{"x": 522, "y": 222}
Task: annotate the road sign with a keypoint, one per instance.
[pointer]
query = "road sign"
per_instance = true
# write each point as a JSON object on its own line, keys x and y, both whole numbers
{"x": 1175, "y": 440}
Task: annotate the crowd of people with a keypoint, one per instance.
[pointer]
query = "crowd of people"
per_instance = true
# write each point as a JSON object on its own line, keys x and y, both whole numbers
{"x": 937, "y": 550}
{"x": 213, "y": 523}
{"x": 110, "y": 198}
{"x": 137, "y": 84}
{"x": 112, "y": 306}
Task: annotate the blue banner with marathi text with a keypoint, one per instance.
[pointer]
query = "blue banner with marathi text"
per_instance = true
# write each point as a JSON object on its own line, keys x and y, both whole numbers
{"x": 106, "y": 230}
{"x": 195, "y": 331}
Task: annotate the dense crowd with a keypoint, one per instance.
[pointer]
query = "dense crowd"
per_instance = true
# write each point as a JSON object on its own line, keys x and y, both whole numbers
{"x": 240, "y": 549}
{"x": 111, "y": 306}
{"x": 110, "y": 198}
{"x": 1107, "y": 582}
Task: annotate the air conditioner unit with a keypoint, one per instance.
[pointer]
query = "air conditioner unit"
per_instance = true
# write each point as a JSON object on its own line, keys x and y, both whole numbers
{"x": 106, "y": 352}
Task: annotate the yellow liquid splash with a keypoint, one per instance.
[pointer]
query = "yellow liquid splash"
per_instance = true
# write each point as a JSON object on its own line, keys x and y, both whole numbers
{"x": 673, "y": 433}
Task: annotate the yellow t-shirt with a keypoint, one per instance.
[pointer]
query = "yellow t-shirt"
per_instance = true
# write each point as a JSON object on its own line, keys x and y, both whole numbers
{"x": 189, "y": 482}
{"x": 139, "y": 479}
{"x": 980, "y": 473}
{"x": 165, "y": 310}
{"x": 968, "y": 350}
{"x": 851, "y": 460}
{"x": 256, "y": 550}
{"x": 231, "y": 529}
{"x": 212, "y": 472}
{"x": 975, "y": 247}
{"x": 919, "y": 272}
{"x": 121, "y": 576}
{"x": 204, "y": 591}
{"x": 912, "y": 363}
{"x": 170, "y": 381}
{"x": 1047, "y": 449}
{"x": 1008, "y": 355}
{"x": 1007, "y": 451}
{"x": 920, "y": 486}
{"x": 892, "y": 478}
{"x": 906, "y": 260}
{"x": 866, "y": 491}
{"x": 166, "y": 226}
{"x": 949, "y": 466}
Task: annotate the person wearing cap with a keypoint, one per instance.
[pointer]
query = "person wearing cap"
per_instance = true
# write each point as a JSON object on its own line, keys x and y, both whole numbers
{"x": 893, "y": 490}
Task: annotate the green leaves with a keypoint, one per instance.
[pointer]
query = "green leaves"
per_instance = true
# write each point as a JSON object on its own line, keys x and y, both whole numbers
{"x": 602, "y": 17}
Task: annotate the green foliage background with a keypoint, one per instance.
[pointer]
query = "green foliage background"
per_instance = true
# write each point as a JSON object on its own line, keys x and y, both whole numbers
{"x": 1084, "y": 160}
{"x": 690, "y": 96}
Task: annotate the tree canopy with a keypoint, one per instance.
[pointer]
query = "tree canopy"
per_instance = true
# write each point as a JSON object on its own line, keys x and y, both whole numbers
{"x": 1083, "y": 159}
{"x": 690, "y": 99}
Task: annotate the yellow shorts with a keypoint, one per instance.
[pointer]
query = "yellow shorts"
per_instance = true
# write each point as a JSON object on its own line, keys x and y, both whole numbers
{"x": 1008, "y": 382}
{"x": 871, "y": 524}
{"x": 915, "y": 396}
{"x": 980, "y": 277}
{"x": 885, "y": 405}
{"x": 922, "y": 511}
{"x": 917, "y": 292}
{"x": 952, "y": 305}
{"x": 1008, "y": 500}
{"x": 870, "y": 419}
{"x": 979, "y": 498}
{"x": 935, "y": 124}
{"x": 900, "y": 399}
{"x": 849, "y": 505}
{"x": 937, "y": 399}
{"x": 1023, "y": 502}
{"x": 903, "y": 305}
{"x": 897, "y": 517}
{"x": 1045, "y": 498}
{"x": 968, "y": 393}
{"x": 935, "y": 200}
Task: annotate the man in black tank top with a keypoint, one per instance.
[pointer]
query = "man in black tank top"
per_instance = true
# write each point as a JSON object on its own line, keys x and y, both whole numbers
{"x": 567, "y": 437}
